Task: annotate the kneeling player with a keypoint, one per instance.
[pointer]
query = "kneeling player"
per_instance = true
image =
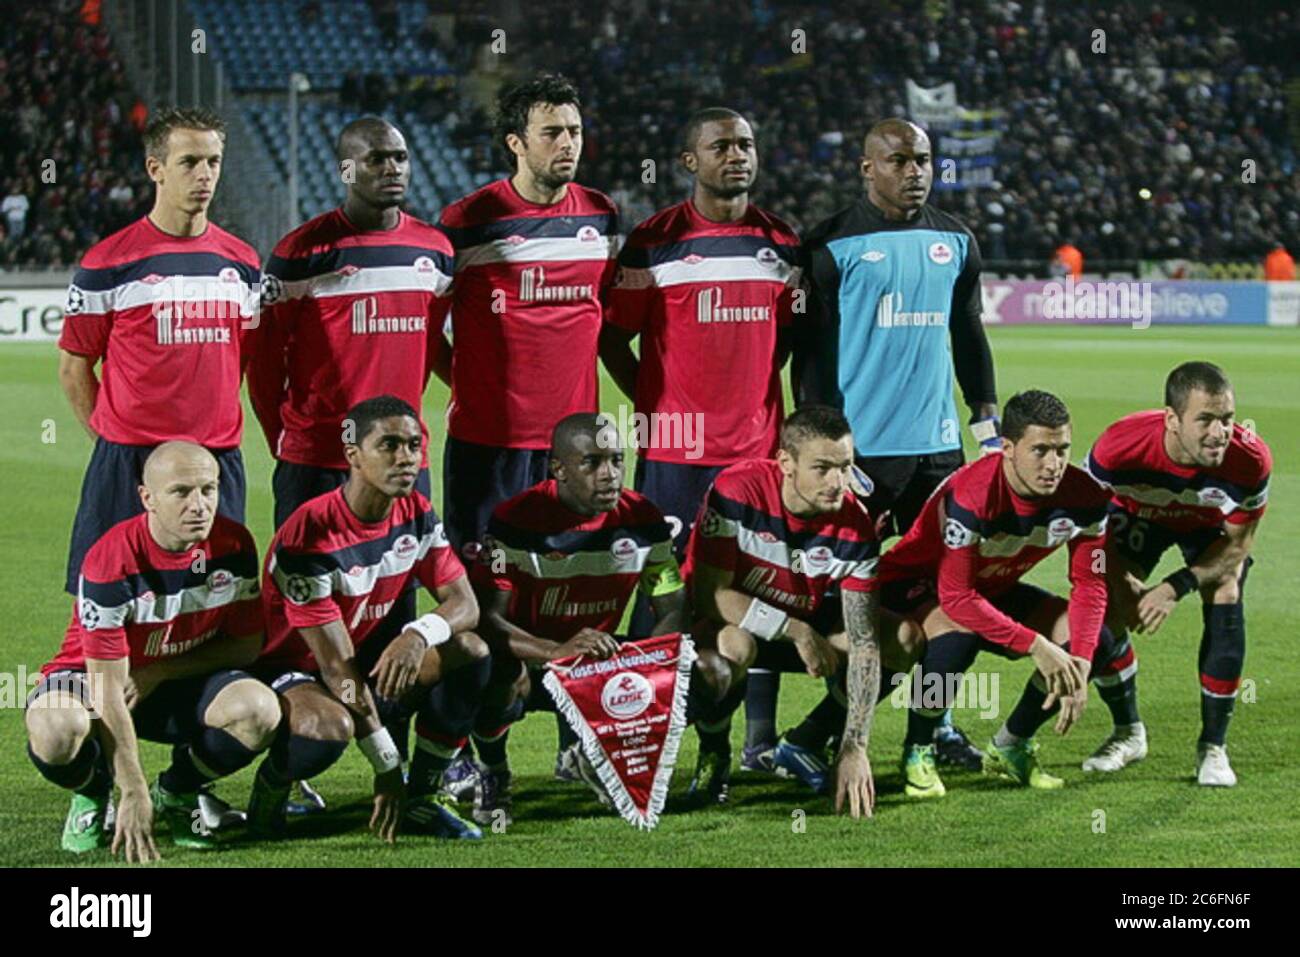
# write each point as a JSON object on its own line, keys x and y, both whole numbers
{"x": 1181, "y": 476}
{"x": 333, "y": 571}
{"x": 167, "y": 610}
{"x": 773, "y": 537}
{"x": 958, "y": 573}
{"x": 564, "y": 558}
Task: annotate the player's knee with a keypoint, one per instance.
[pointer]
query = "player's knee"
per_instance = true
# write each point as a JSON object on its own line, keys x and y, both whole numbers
{"x": 56, "y": 734}
{"x": 738, "y": 645}
{"x": 1225, "y": 590}
{"x": 247, "y": 710}
{"x": 324, "y": 721}
{"x": 902, "y": 643}
{"x": 715, "y": 671}
{"x": 472, "y": 647}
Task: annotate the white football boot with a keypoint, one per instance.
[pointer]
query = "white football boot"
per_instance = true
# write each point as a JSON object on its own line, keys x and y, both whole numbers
{"x": 1126, "y": 744}
{"x": 1212, "y": 767}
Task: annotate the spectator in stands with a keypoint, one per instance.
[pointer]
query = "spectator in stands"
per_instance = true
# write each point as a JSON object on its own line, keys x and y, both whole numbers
{"x": 14, "y": 209}
{"x": 1278, "y": 265}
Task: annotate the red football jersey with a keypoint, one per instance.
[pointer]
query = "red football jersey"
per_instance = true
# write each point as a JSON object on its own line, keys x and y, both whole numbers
{"x": 566, "y": 571}
{"x": 707, "y": 299}
{"x": 346, "y": 316}
{"x": 325, "y": 564}
{"x": 786, "y": 561}
{"x": 976, "y": 538}
{"x": 526, "y": 311}
{"x": 135, "y": 600}
{"x": 165, "y": 313}
{"x": 1130, "y": 459}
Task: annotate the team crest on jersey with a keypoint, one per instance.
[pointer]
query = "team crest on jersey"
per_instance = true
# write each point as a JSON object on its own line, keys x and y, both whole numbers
{"x": 626, "y": 695}
{"x": 405, "y": 546}
{"x": 297, "y": 589}
{"x": 423, "y": 264}
{"x": 1212, "y": 497}
{"x": 940, "y": 253}
{"x": 76, "y": 301}
{"x": 89, "y": 615}
{"x": 957, "y": 535}
{"x": 271, "y": 289}
{"x": 767, "y": 257}
{"x": 588, "y": 234}
{"x": 812, "y": 561}
{"x": 1060, "y": 529}
{"x": 623, "y": 549}
{"x": 220, "y": 580}
{"x": 229, "y": 274}
{"x": 355, "y": 570}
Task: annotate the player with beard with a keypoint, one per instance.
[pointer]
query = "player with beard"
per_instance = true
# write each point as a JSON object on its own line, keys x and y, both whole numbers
{"x": 894, "y": 309}
{"x": 708, "y": 286}
{"x": 1183, "y": 475}
{"x": 534, "y": 260}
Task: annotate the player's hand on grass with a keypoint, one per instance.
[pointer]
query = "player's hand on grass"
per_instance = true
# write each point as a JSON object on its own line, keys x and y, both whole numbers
{"x": 1057, "y": 668}
{"x": 390, "y": 794}
{"x": 853, "y": 780}
{"x": 1072, "y": 705}
{"x": 397, "y": 669}
{"x": 1155, "y": 606}
{"x": 133, "y": 835}
{"x": 817, "y": 652}
{"x": 589, "y": 642}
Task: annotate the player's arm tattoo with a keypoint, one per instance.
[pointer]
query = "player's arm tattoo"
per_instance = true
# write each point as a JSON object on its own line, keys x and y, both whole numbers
{"x": 861, "y": 621}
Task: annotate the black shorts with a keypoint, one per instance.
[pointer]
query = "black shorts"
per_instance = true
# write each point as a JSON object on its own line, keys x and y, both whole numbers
{"x": 1017, "y": 602}
{"x": 1143, "y": 542}
{"x": 293, "y": 484}
{"x": 478, "y": 478}
{"x": 782, "y": 655}
{"x": 173, "y": 712}
{"x": 902, "y": 483}
{"x": 281, "y": 679}
{"x": 678, "y": 490}
{"x": 110, "y": 493}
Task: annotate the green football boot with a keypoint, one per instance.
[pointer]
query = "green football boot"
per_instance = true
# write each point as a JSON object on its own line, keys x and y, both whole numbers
{"x": 1019, "y": 762}
{"x": 920, "y": 776}
{"x": 86, "y": 826}
{"x": 182, "y": 816}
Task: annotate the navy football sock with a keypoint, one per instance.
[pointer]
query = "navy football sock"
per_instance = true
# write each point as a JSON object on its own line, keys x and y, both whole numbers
{"x": 760, "y": 707}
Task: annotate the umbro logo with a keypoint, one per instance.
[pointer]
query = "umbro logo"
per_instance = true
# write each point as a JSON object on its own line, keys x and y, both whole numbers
{"x": 872, "y": 256}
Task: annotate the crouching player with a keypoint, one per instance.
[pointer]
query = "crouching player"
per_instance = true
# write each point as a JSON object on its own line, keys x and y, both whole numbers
{"x": 167, "y": 612}
{"x": 1181, "y": 476}
{"x": 958, "y": 570}
{"x": 333, "y": 571}
{"x": 773, "y": 537}
{"x": 564, "y": 559}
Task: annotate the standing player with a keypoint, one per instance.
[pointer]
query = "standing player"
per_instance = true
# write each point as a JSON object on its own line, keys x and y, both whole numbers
{"x": 708, "y": 286}
{"x": 333, "y": 572}
{"x": 534, "y": 260}
{"x": 772, "y": 537}
{"x": 957, "y": 572}
{"x": 348, "y": 300}
{"x": 565, "y": 557}
{"x": 161, "y": 303}
{"x": 1181, "y": 476}
{"x": 167, "y": 611}
{"x": 894, "y": 307}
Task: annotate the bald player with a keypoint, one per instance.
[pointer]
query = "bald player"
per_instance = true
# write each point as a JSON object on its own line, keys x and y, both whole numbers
{"x": 894, "y": 309}
{"x": 167, "y": 613}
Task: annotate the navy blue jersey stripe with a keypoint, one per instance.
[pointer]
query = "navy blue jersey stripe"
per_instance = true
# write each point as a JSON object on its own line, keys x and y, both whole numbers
{"x": 572, "y": 542}
{"x": 760, "y": 522}
{"x": 643, "y": 257}
{"x": 197, "y": 265}
{"x": 1011, "y": 523}
{"x": 163, "y": 582}
{"x": 1173, "y": 483}
{"x": 332, "y": 260}
{"x": 362, "y": 555}
{"x": 529, "y": 227}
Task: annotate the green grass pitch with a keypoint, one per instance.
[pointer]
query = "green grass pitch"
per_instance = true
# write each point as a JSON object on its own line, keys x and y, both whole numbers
{"x": 1151, "y": 814}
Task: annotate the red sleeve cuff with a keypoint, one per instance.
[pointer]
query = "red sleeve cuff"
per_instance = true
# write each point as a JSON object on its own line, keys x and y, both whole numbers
{"x": 1022, "y": 639}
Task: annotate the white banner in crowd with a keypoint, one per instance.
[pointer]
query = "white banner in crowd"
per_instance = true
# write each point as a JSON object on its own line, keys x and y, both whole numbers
{"x": 32, "y": 315}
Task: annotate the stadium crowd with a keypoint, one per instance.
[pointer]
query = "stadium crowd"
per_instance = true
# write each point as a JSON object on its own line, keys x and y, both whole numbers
{"x": 1105, "y": 156}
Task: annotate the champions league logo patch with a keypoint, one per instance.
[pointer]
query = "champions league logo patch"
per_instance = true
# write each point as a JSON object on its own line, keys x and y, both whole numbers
{"x": 89, "y": 615}
{"x": 957, "y": 535}
{"x": 712, "y": 526}
{"x": 271, "y": 290}
{"x": 297, "y": 589}
{"x": 76, "y": 301}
